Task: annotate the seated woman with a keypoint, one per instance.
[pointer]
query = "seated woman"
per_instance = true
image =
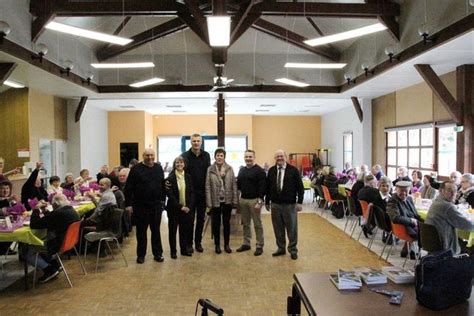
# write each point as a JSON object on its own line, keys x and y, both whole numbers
{"x": 180, "y": 201}
{"x": 68, "y": 183}
{"x": 54, "y": 185}
{"x": 83, "y": 180}
{"x": 331, "y": 181}
{"x": 466, "y": 192}
{"x": 417, "y": 177}
{"x": 33, "y": 188}
{"x": 427, "y": 191}
{"x": 6, "y": 200}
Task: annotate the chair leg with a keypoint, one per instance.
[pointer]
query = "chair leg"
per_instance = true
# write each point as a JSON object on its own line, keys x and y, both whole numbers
{"x": 85, "y": 253}
{"x": 373, "y": 238}
{"x": 80, "y": 262}
{"x": 34, "y": 271}
{"x": 120, "y": 249}
{"x": 64, "y": 269}
{"x": 385, "y": 244}
{"x": 97, "y": 260}
{"x": 80, "y": 239}
{"x": 390, "y": 251}
{"x": 110, "y": 249}
{"x": 354, "y": 225}
{"x": 361, "y": 229}
{"x": 347, "y": 221}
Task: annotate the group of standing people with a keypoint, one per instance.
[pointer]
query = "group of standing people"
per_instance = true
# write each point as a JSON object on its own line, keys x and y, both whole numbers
{"x": 194, "y": 185}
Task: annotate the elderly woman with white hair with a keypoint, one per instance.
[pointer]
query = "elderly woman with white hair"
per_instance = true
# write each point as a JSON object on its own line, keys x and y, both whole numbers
{"x": 466, "y": 192}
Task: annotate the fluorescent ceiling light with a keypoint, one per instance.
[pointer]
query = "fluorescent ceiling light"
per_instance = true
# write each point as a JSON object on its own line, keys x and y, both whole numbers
{"x": 346, "y": 35}
{"x": 292, "y": 82}
{"x": 64, "y": 28}
{"x": 219, "y": 30}
{"x": 146, "y": 82}
{"x": 13, "y": 84}
{"x": 123, "y": 65}
{"x": 314, "y": 66}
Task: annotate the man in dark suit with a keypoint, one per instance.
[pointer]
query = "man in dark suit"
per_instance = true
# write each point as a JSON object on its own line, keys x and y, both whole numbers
{"x": 284, "y": 198}
{"x": 401, "y": 210}
{"x": 370, "y": 194}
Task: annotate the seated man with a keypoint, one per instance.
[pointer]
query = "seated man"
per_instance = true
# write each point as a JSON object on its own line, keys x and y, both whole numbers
{"x": 56, "y": 222}
{"x": 444, "y": 215}
{"x": 402, "y": 175}
{"x": 401, "y": 210}
{"x": 377, "y": 171}
{"x": 370, "y": 194}
{"x": 107, "y": 198}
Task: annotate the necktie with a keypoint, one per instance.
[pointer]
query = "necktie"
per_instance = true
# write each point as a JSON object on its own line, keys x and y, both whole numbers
{"x": 279, "y": 180}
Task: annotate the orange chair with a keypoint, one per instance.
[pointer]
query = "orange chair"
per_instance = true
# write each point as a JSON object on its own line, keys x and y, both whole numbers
{"x": 400, "y": 231}
{"x": 306, "y": 165}
{"x": 70, "y": 240}
{"x": 366, "y": 209}
{"x": 329, "y": 201}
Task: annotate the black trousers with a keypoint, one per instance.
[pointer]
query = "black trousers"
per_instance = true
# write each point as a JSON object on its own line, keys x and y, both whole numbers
{"x": 198, "y": 212}
{"x": 224, "y": 211}
{"x": 178, "y": 218}
{"x": 143, "y": 218}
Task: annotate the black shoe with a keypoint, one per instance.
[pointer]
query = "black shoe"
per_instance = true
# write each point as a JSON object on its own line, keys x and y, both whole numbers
{"x": 140, "y": 260}
{"x": 186, "y": 253}
{"x": 258, "y": 251}
{"x": 159, "y": 258}
{"x": 243, "y": 248}
{"x": 199, "y": 248}
{"x": 365, "y": 231}
{"x": 412, "y": 255}
{"x": 294, "y": 256}
{"x": 49, "y": 274}
{"x": 174, "y": 256}
{"x": 190, "y": 249}
{"x": 279, "y": 252}
{"x": 218, "y": 249}
{"x": 227, "y": 249}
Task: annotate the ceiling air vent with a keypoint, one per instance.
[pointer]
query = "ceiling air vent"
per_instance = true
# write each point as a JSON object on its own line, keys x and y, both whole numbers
{"x": 126, "y": 107}
{"x": 173, "y": 106}
{"x": 262, "y": 110}
{"x": 267, "y": 105}
{"x": 179, "y": 111}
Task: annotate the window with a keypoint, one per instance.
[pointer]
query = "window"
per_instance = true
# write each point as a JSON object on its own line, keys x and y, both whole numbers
{"x": 169, "y": 147}
{"x": 347, "y": 149}
{"x": 412, "y": 148}
{"x": 446, "y": 150}
{"x": 425, "y": 148}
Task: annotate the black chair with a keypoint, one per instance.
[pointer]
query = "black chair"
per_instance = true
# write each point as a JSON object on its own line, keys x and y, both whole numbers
{"x": 430, "y": 240}
{"x": 352, "y": 213}
{"x": 113, "y": 233}
{"x": 382, "y": 222}
{"x": 321, "y": 201}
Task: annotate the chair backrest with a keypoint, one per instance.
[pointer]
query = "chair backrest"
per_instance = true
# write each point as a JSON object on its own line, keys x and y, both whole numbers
{"x": 365, "y": 209}
{"x": 429, "y": 238}
{"x": 318, "y": 188}
{"x": 71, "y": 237}
{"x": 351, "y": 204}
{"x": 327, "y": 195}
{"x": 381, "y": 219}
{"x": 116, "y": 222}
{"x": 305, "y": 162}
{"x": 400, "y": 231}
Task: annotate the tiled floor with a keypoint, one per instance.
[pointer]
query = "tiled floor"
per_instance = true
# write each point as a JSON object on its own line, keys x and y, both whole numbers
{"x": 239, "y": 282}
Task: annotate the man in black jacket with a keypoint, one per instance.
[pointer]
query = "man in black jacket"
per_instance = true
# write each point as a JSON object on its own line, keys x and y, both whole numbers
{"x": 284, "y": 198}
{"x": 197, "y": 161}
{"x": 144, "y": 198}
{"x": 57, "y": 223}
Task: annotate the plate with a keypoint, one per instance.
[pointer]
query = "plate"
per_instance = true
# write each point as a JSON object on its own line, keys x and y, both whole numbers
{"x": 85, "y": 202}
{"x": 27, "y": 223}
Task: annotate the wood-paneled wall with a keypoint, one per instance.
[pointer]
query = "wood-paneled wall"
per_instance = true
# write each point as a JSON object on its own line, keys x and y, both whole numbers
{"x": 14, "y": 125}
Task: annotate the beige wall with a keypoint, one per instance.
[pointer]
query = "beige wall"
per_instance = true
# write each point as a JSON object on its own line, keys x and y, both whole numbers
{"x": 48, "y": 119}
{"x": 125, "y": 127}
{"x": 265, "y": 133}
{"x": 301, "y": 134}
{"x": 15, "y": 126}
{"x": 412, "y": 105}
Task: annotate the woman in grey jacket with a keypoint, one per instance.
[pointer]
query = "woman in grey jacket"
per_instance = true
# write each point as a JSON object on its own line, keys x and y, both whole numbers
{"x": 221, "y": 195}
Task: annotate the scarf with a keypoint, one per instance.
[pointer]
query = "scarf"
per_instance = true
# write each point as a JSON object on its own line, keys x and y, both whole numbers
{"x": 181, "y": 187}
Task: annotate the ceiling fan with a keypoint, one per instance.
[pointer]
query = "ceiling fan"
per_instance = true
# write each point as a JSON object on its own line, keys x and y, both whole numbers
{"x": 220, "y": 83}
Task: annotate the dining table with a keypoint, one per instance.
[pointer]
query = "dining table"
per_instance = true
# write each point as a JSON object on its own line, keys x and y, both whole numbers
{"x": 26, "y": 235}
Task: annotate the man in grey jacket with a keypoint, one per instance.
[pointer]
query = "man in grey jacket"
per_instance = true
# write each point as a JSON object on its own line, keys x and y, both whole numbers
{"x": 444, "y": 215}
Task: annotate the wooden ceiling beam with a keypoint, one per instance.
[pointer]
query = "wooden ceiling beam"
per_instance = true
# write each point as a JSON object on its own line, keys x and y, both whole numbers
{"x": 348, "y": 10}
{"x": 142, "y": 38}
{"x": 206, "y": 88}
{"x": 357, "y": 108}
{"x": 439, "y": 89}
{"x": 6, "y": 70}
{"x": 193, "y": 8}
{"x": 320, "y": 33}
{"x": 249, "y": 13}
{"x": 293, "y": 38}
{"x": 185, "y": 15}
{"x": 80, "y": 109}
{"x": 392, "y": 25}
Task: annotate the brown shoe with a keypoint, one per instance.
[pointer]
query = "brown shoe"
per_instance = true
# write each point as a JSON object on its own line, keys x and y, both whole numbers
{"x": 258, "y": 252}
{"x": 227, "y": 249}
{"x": 243, "y": 248}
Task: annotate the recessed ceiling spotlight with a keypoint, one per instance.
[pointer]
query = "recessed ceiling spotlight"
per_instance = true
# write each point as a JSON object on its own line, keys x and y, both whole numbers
{"x": 312, "y": 106}
{"x": 260, "y": 110}
{"x": 127, "y": 107}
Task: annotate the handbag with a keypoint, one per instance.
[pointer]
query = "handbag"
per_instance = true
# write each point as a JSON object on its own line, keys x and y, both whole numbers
{"x": 442, "y": 281}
